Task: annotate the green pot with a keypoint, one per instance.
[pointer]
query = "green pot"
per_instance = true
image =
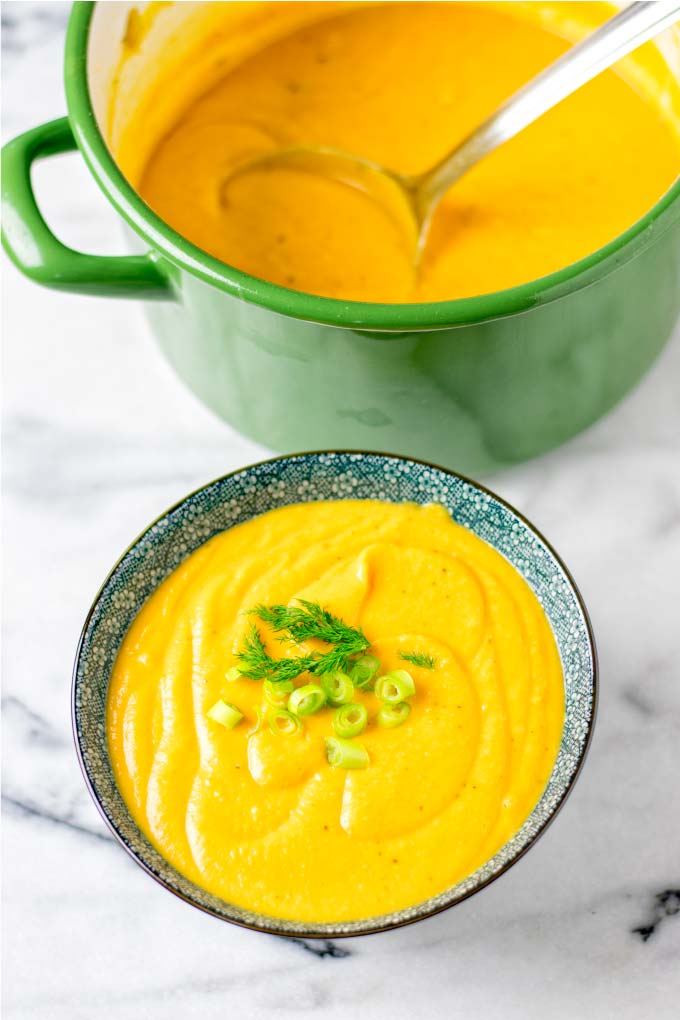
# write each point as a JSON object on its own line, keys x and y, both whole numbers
{"x": 474, "y": 384}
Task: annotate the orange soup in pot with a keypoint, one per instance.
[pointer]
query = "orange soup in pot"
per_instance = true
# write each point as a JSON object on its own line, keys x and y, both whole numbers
{"x": 401, "y": 84}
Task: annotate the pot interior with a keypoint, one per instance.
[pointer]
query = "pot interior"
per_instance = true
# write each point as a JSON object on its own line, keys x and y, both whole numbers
{"x": 147, "y": 62}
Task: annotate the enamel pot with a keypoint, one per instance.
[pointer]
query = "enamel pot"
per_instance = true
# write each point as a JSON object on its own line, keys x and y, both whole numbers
{"x": 475, "y": 384}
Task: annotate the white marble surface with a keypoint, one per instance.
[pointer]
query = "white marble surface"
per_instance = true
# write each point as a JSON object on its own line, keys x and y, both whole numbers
{"x": 99, "y": 438}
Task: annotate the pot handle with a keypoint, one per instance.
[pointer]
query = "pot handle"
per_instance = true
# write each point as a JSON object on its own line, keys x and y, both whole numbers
{"x": 34, "y": 249}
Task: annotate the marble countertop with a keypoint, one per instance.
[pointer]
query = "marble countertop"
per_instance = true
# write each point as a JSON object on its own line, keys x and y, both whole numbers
{"x": 99, "y": 437}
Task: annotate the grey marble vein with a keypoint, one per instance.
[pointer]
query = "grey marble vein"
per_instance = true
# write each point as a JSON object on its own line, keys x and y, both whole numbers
{"x": 28, "y": 810}
{"x": 666, "y": 904}
{"x": 323, "y": 949}
{"x": 37, "y": 729}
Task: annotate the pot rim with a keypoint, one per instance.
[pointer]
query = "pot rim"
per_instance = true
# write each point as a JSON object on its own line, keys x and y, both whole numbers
{"x": 386, "y": 922}
{"x": 310, "y": 307}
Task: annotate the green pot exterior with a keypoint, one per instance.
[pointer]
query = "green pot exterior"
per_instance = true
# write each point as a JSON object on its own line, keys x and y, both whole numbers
{"x": 474, "y": 384}
{"x": 476, "y": 397}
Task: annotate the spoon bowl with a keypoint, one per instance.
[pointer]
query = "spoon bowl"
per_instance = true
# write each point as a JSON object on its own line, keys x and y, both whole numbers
{"x": 395, "y": 193}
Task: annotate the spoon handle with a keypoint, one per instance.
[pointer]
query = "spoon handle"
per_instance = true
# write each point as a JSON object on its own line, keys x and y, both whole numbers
{"x": 621, "y": 34}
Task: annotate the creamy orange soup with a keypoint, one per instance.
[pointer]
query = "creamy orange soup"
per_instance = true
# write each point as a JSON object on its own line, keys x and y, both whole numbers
{"x": 262, "y": 819}
{"x": 401, "y": 84}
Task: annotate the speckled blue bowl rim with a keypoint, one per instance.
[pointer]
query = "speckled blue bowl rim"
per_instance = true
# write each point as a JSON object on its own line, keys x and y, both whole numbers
{"x": 300, "y": 477}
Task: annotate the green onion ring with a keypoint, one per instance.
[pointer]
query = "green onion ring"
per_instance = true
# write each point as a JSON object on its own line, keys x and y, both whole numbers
{"x": 225, "y": 714}
{"x": 258, "y": 723}
{"x": 364, "y": 671}
{"x": 338, "y": 688}
{"x": 395, "y": 686}
{"x": 393, "y": 715}
{"x": 306, "y": 700}
{"x": 345, "y": 754}
{"x": 350, "y": 720}
{"x": 276, "y": 692}
{"x": 283, "y": 723}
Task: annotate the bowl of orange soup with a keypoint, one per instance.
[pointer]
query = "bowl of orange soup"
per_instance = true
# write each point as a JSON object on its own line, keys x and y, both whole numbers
{"x": 334, "y": 693}
{"x": 287, "y": 302}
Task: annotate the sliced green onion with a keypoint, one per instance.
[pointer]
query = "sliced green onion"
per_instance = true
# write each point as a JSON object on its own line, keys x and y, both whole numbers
{"x": 233, "y": 674}
{"x": 307, "y": 699}
{"x": 283, "y": 723}
{"x": 276, "y": 692}
{"x": 345, "y": 754}
{"x": 394, "y": 715}
{"x": 225, "y": 714}
{"x": 395, "y": 686}
{"x": 338, "y": 688}
{"x": 350, "y": 720}
{"x": 258, "y": 723}
{"x": 364, "y": 670}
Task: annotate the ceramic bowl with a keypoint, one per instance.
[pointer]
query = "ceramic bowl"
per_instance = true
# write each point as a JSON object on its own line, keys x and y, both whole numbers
{"x": 304, "y": 478}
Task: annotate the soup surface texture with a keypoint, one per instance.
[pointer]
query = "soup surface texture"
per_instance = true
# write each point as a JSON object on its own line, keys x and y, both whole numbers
{"x": 262, "y": 819}
{"x": 401, "y": 84}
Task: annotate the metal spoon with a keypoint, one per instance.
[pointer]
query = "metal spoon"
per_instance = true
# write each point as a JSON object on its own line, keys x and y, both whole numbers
{"x": 412, "y": 199}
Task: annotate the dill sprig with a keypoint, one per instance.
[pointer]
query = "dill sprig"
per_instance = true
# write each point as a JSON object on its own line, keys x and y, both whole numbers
{"x": 418, "y": 659}
{"x": 308, "y": 621}
{"x": 256, "y": 663}
{"x": 303, "y": 622}
{"x": 332, "y": 661}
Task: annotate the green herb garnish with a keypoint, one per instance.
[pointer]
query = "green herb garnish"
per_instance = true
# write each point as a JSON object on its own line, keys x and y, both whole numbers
{"x": 418, "y": 659}
{"x": 309, "y": 621}
{"x": 345, "y": 754}
{"x": 390, "y": 716}
{"x": 257, "y": 664}
{"x": 306, "y": 700}
{"x": 276, "y": 693}
{"x": 335, "y": 660}
{"x": 350, "y": 720}
{"x": 225, "y": 714}
{"x": 338, "y": 688}
{"x": 283, "y": 723}
{"x": 341, "y": 668}
{"x": 364, "y": 671}
{"x": 395, "y": 686}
